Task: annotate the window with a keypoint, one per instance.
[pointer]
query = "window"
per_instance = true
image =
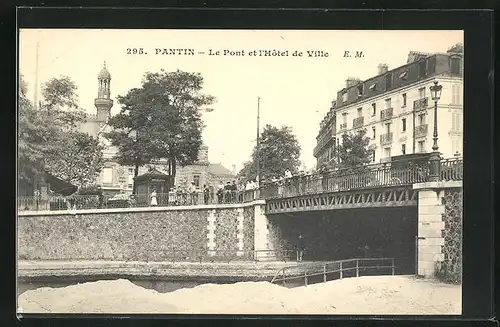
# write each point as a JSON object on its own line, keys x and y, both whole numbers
{"x": 360, "y": 90}
{"x": 374, "y": 109}
{"x": 344, "y": 118}
{"x": 131, "y": 171}
{"x": 421, "y": 119}
{"x": 403, "y": 148}
{"x": 422, "y": 68}
{"x": 421, "y": 92}
{"x": 388, "y": 103}
{"x": 344, "y": 97}
{"x": 360, "y": 112}
{"x": 388, "y": 81}
{"x": 373, "y": 155}
{"x": 421, "y": 146}
{"x": 388, "y": 128}
{"x": 387, "y": 152}
{"x": 455, "y": 65}
{"x": 107, "y": 175}
{"x": 403, "y": 122}
{"x": 455, "y": 122}
{"x": 404, "y": 100}
{"x": 455, "y": 94}
{"x": 373, "y": 131}
{"x": 196, "y": 180}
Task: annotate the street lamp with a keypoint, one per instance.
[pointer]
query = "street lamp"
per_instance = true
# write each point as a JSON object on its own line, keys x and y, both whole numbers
{"x": 435, "y": 159}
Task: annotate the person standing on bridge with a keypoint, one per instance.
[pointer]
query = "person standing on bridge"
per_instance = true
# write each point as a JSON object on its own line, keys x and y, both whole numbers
{"x": 153, "y": 198}
{"x": 300, "y": 248}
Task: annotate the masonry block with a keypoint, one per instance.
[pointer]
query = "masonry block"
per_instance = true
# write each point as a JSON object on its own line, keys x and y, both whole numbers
{"x": 431, "y": 210}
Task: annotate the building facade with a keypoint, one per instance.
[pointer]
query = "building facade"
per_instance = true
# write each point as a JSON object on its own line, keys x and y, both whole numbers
{"x": 396, "y": 109}
{"x": 115, "y": 178}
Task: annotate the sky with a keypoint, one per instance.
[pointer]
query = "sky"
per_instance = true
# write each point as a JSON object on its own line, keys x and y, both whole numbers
{"x": 295, "y": 90}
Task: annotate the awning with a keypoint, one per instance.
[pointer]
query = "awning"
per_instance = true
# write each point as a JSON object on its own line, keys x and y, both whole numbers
{"x": 60, "y": 186}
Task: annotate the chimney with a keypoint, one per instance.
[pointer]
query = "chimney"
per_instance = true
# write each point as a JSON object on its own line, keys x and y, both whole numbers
{"x": 351, "y": 81}
{"x": 382, "y": 69}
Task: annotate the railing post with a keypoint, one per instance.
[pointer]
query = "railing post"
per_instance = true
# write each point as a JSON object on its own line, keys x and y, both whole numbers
{"x": 392, "y": 265}
{"x": 305, "y": 278}
{"x": 341, "y": 270}
{"x": 324, "y": 273}
{"x": 357, "y": 268}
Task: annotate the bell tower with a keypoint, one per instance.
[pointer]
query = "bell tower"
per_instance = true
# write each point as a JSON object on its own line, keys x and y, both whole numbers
{"x": 103, "y": 103}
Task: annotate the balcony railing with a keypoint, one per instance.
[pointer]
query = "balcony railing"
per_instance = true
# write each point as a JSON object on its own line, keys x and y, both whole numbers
{"x": 386, "y": 114}
{"x": 358, "y": 122}
{"x": 343, "y": 126}
{"x": 386, "y": 139}
{"x": 420, "y": 104}
{"x": 421, "y": 130}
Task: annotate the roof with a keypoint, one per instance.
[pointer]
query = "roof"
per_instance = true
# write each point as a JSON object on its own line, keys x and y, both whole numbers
{"x": 104, "y": 74}
{"x": 60, "y": 186}
{"x": 154, "y": 173}
{"x": 218, "y": 169}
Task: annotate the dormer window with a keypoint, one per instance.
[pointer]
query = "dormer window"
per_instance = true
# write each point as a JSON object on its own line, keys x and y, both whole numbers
{"x": 422, "y": 68}
{"x": 344, "y": 96}
{"x": 360, "y": 90}
{"x": 455, "y": 65}
{"x": 388, "y": 81}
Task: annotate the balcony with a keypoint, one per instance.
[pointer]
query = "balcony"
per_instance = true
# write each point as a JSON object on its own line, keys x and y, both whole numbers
{"x": 421, "y": 130}
{"x": 420, "y": 104}
{"x": 358, "y": 122}
{"x": 343, "y": 126}
{"x": 386, "y": 114}
{"x": 386, "y": 139}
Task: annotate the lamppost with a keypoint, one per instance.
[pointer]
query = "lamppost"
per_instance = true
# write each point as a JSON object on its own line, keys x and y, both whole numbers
{"x": 435, "y": 158}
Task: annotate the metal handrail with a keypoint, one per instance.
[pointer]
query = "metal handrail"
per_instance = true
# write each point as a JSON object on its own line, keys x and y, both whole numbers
{"x": 325, "y": 272}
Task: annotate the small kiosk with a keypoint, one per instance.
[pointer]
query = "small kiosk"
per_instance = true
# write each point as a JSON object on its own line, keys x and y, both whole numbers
{"x": 152, "y": 180}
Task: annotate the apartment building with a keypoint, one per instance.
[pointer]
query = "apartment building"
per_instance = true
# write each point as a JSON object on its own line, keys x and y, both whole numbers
{"x": 396, "y": 109}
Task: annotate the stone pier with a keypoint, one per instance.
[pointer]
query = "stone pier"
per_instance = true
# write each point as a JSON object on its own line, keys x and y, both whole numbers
{"x": 431, "y": 225}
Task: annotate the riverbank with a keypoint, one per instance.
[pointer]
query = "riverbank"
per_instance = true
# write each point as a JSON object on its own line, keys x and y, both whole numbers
{"x": 375, "y": 295}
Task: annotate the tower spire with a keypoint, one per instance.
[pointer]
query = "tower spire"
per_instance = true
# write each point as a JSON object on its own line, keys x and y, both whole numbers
{"x": 103, "y": 102}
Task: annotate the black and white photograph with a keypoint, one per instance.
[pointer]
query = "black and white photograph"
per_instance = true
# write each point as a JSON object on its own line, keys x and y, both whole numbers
{"x": 204, "y": 171}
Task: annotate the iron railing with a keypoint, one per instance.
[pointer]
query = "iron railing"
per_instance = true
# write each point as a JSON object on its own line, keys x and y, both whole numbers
{"x": 367, "y": 176}
{"x": 386, "y": 139}
{"x": 420, "y": 104}
{"x": 80, "y": 202}
{"x": 358, "y": 122}
{"x": 334, "y": 270}
{"x": 386, "y": 114}
{"x": 421, "y": 130}
{"x": 452, "y": 169}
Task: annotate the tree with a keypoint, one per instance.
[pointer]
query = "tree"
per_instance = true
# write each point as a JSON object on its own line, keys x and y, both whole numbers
{"x": 353, "y": 150}
{"x": 80, "y": 161}
{"x": 160, "y": 120}
{"x": 60, "y": 101}
{"x": 35, "y": 132}
{"x": 48, "y": 139}
{"x": 279, "y": 151}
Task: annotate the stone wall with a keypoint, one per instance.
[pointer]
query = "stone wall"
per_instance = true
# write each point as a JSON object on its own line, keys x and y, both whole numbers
{"x": 152, "y": 234}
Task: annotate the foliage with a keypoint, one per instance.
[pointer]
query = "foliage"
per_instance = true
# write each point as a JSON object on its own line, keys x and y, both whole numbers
{"x": 279, "y": 151}
{"x": 48, "y": 140}
{"x": 77, "y": 158}
{"x": 353, "y": 150}
{"x": 60, "y": 101}
{"x": 160, "y": 120}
